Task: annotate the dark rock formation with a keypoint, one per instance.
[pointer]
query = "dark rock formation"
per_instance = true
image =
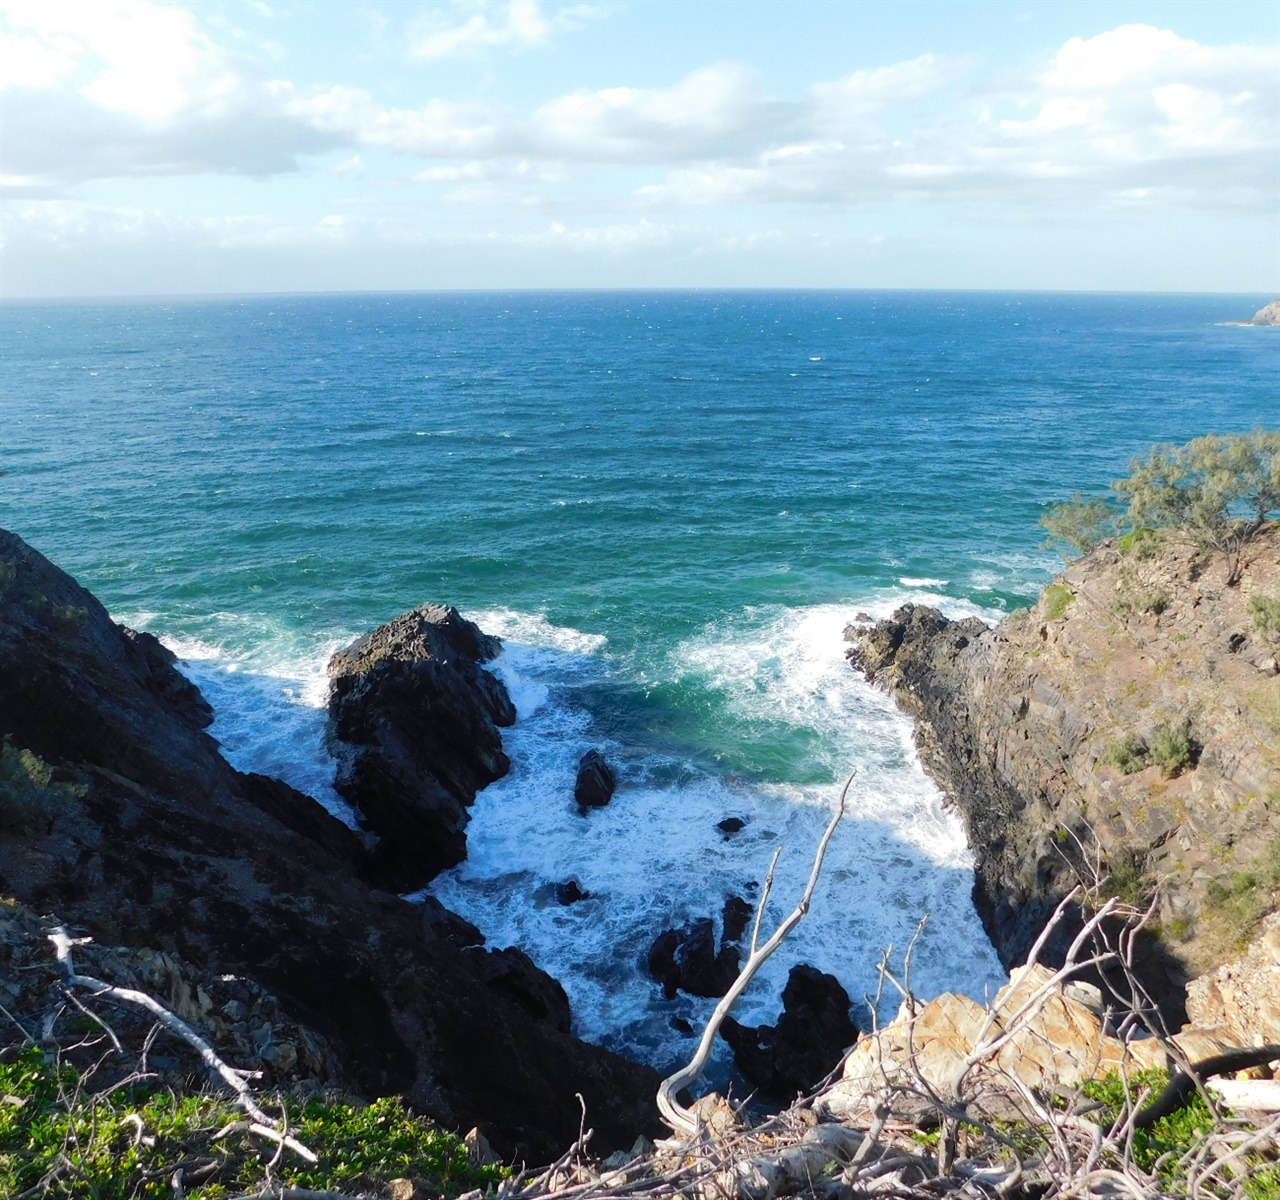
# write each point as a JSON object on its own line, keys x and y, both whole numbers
{"x": 731, "y": 825}
{"x": 737, "y": 916}
{"x": 595, "y": 784}
{"x": 685, "y": 959}
{"x": 413, "y": 723}
{"x": 570, "y": 892}
{"x": 163, "y": 846}
{"x": 806, "y": 1045}
{"x": 1020, "y": 723}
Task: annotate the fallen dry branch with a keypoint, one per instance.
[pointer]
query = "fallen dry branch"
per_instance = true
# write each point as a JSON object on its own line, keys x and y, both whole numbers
{"x": 262, "y": 1124}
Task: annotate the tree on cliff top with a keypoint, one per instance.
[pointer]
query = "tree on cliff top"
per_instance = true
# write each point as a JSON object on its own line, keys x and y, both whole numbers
{"x": 1219, "y": 490}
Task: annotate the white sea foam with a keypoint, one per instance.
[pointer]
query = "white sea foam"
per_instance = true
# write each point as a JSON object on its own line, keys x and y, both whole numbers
{"x": 268, "y": 701}
{"x": 906, "y": 581}
{"x": 654, "y": 857}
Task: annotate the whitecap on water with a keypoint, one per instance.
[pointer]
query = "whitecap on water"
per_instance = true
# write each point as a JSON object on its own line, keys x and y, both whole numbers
{"x": 654, "y": 856}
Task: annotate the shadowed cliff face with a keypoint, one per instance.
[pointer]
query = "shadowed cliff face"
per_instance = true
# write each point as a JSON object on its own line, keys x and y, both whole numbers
{"x": 1135, "y": 709}
{"x": 160, "y": 844}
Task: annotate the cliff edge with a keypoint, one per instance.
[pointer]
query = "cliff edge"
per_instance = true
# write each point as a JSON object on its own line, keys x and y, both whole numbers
{"x": 1131, "y": 716}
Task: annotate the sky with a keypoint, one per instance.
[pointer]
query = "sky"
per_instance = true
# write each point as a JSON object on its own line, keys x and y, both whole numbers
{"x": 266, "y": 146}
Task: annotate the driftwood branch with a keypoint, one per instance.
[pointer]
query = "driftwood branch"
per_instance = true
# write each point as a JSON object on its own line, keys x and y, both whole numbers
{"x": 262, "y": 1124}
{"x": 675, "y": 1114}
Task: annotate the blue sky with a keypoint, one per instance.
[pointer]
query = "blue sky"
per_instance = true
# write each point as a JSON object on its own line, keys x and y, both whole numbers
{"x": 244, "y": 145}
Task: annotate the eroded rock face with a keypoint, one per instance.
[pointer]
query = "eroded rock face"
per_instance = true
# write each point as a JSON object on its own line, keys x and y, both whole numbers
{"x": 811, "y": 1036}
{"x": 164, "y": 847}
{"x": 413, "y": 724}
{"x": 1017, "y": 723}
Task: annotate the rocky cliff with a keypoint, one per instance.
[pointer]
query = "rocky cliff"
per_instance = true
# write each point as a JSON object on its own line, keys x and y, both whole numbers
{"x": 119, "y": 814}
{"x": 1133, "y": 715}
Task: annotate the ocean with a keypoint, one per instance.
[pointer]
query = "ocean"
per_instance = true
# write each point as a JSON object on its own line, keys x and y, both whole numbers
{"x": 668, "y": 505}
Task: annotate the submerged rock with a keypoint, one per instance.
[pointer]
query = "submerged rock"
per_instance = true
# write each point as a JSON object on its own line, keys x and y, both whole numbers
{"x": 413, "y": 724}
{"x": 731, "y": 825}
{"x": 811, "y": 1036}
{"x": 595, "y": 784}
{"x": 570, "y": 892}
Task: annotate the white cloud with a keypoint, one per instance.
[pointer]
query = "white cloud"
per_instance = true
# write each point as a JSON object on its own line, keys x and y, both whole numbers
{"x": 100, "y": 88}
{"x": 439, "y": 33}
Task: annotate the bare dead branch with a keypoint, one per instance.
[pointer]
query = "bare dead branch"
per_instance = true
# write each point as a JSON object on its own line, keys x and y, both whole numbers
{"x": 675, "y": 1114}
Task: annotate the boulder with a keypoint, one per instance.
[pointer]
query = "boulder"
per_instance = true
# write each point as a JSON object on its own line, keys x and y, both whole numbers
{"x": 731, "y": 825}
{"x": 413, "y": 725}
{"x": 685, "y": 959}
{"x": 737, "y": 916}
{"x": 595, "y": 784}
{"x": 811, "y": 1036}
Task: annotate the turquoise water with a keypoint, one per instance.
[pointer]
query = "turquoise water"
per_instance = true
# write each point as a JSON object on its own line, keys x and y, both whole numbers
{"x": 669, "y": 503}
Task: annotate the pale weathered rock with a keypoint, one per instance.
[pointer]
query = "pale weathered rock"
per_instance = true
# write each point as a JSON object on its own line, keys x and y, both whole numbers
{"x": 1057, "y": 1043}
{"x": 1243, "y": 997}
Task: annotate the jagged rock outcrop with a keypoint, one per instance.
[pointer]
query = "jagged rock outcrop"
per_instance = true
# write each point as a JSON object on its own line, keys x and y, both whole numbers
{"x": 686, "y": 960}
{"x": 1143, "y": 661}
{"x": 811, "y": 1036}
{"x": 147, "y": 839}
{"x": 413, "y": 725}
{"x": 595, "y": 784}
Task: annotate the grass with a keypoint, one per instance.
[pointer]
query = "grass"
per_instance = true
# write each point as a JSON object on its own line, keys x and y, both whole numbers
{"x": 1264, "y": 611}
{"x": 1143, "y": 544}
{"x": 1056, "y": 599}
{"x": 59, "y": 1137}
{"x": 1247, "y": 896}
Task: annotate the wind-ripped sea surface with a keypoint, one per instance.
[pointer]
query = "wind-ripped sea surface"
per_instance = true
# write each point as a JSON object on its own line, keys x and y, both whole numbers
{"x": 669, "y": 505}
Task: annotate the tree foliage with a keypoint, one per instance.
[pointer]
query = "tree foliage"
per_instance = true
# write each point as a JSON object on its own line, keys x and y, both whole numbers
{"x": 1219, "y": 490}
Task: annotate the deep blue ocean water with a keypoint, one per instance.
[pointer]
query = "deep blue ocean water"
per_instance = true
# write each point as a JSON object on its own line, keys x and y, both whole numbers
{"x": 668, "y": 503}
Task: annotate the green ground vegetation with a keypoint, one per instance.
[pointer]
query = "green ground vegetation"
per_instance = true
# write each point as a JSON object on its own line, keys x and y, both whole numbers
{"x": 1169, "y": 748}
{"x": 1160, "y": 1148}
{"x": 60, "y": 1138}
{"x": 1056, "y": 599}
{"x": 1264, "y": 612}
{"x": 1246, "y": 896}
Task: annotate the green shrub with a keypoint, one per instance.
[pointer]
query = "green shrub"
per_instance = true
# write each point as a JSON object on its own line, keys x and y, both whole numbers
{"x": 1079, "y": 523}
{"x": 1143, "y": 543}
{"x": 1171, "y": 750}
{"x": 1056, "y": 599}
{"x": 1126, "y": 881}
{"x": 57, "y": 1138}
{"x": 28, "y": 794}
{"x": 1265, "y": 612}
{"x": 1128, "y": 753}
